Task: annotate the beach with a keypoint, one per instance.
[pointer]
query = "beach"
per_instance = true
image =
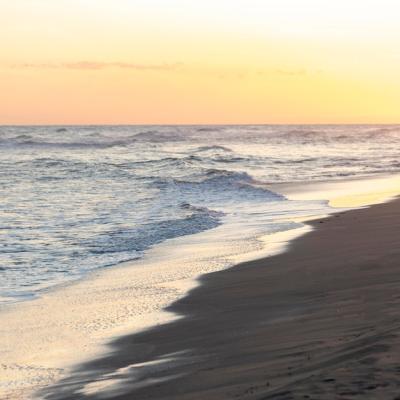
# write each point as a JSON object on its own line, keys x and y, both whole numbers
{"x": 319, "y": 321}
{"x": 126, "y": 290}
{"x": 199, "y": 200}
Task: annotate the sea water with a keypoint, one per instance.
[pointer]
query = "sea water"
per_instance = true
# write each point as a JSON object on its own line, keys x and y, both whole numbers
{"x": 79, "y": 198}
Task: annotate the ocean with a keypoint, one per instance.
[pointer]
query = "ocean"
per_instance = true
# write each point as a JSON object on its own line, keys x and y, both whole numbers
{"x": 75, "y": 199}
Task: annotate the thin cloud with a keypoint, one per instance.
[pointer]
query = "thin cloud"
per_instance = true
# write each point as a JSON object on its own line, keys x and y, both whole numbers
{"x": 96, "y": 66}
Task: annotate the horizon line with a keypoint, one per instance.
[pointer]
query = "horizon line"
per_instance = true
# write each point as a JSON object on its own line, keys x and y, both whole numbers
{"x": 204, "y": 124}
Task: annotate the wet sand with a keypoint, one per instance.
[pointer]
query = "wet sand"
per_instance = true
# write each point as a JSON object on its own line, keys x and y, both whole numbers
{"x": 321, "y": 321}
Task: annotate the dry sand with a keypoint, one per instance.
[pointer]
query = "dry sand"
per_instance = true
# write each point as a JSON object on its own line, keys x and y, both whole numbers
{"x": 321, "y": 321}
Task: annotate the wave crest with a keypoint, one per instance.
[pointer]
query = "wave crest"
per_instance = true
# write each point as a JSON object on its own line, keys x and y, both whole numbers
{"x": 143, "y": 237}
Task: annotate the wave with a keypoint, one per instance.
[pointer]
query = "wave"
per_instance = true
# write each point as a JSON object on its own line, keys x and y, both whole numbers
{"x": 154, "y": 136}
{"x": 384, "y": 130}
{"x": 214, "y": 147}
{"x": 296, "y": 161}
{"x": 218, "y": 187}
{"x": 302, "y": 132}
{"x": 332, "y": 134}
{"x": 230, "y": 159}
{"x": 143, "y": 237}
{"x": 25, "y": 142}
{"x": 24, "y": 137}
{"x": 106, "y": 137}
{"x": 208, "y": 129}
{"x": 197, "y": 209}
{"x": 91, "y": 139}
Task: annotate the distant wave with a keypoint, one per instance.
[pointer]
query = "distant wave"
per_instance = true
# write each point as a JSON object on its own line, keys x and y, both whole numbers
{"x": 295, "y": 161}
{"x": 27, "y": 142}
{"x": 208, "y": 129}
{"x": 23, "y": 137}
{"x": 302, "y": 132}
{"x": 384, "y": 130}
{"x": 214, "y": 147}
{"x": 91, "y": 140}
{"x": 337, "y": 134}
{"x": 159, "y": 136}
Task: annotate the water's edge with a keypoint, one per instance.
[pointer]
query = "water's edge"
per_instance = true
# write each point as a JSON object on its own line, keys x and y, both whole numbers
{"x": 127, "y": 298}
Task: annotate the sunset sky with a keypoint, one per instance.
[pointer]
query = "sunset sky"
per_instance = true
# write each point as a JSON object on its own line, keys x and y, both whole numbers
{"x": 209, "y": 61}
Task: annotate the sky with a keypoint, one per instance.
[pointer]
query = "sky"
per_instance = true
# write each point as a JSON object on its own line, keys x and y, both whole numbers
{"x": 199, "y": 62}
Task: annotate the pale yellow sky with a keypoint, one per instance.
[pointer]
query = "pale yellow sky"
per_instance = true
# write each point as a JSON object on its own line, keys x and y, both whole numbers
{"x": 184, "y": 61}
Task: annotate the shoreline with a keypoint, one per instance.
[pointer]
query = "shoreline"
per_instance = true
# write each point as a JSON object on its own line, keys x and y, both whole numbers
{"x": 317, "y": 321}
{"x": 107, "y": 304}
{"x": 106, "y": 316}
{"x": 74, "y": 321}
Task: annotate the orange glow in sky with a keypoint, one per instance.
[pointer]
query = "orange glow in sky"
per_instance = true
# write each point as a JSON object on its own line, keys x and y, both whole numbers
{"x": 184, "y": 61}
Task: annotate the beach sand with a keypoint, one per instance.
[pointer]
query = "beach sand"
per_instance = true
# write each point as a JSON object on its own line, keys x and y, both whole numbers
{"x": 320, "y": 321}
